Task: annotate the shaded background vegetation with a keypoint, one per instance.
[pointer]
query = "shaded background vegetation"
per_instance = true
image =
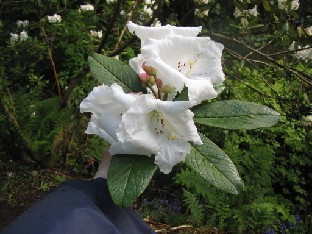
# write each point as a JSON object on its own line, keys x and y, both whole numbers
{"x": 44, "y": 79}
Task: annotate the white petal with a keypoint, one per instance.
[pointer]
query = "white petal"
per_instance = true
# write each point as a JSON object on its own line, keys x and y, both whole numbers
{"x": 127, "y": 148}
{"x": 95, "y": 129}
{"x": 136, "y": 64}
{"x": 171, "y": 155}
{"x": 186, "y": 31}
{"x": 199, "y": 90}
{"x": 148, "y": 32}
{"x": 107, "y": 105}
{"x": 161, "y": 32}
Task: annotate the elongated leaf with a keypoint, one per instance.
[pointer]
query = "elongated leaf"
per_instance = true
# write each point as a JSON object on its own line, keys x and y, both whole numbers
{"x": 211, "y": 163}
{"x": 109, "y": 70}
{"x": 128, "y": 176}
{"x": 235, "y": 114}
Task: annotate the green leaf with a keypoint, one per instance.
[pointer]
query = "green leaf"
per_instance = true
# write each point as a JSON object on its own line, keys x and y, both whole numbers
{"x": 183, "y": 96}
{"x": 128, "y": 176}
{"x": 266, "y": 5}
{"x": 235, "y": 114}
{"x": 211, "y": 163}
{"x": 109, "y": 70}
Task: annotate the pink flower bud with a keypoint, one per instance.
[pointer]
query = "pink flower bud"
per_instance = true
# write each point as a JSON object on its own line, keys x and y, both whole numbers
{"x": 144, "y": 77}
{"x": 149, "y": 69}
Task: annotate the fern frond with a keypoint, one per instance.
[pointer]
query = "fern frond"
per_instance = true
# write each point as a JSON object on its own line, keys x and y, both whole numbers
{"x": 196, "y": 209}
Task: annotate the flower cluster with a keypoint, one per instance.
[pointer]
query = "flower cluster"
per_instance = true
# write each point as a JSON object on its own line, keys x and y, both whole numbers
{"x": 243, "y": 13}
{"x": 284, "y": 5}
{"x": 54, "y": 19}
{"x": 171, "y": 59}
{"x": 87, "y": 7}
{"x": 22, "y": 36}
{"x": 22, "y": 23}
{"x": 304, "y": 54}
{"x": 98, "y": 34}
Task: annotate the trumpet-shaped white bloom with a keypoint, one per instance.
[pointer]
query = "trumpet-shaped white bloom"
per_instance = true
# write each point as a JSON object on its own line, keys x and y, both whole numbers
{"x": 98, "y": 34}
{"x": 160, "y": 127}
{"x": 141, "y": 124}
{"x": 194, "y": 62}
{"x": 22, "y": 23}
{"x": 23, "y": 35}
{"x": 253, "y": 11}
{"x": 107, "y": 105}
{"x": 148, "y": 10}
{"x": 246, "y": 13}
{"x": 54, "y": 19}
{"x": 87, "y": 7}
{"x": 238, "y": 13}
{"x": 14, "y": 37}
{"x": 284, "y": 5}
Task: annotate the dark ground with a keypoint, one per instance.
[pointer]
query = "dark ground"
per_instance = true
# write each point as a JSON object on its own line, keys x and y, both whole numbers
{"x": 22, "y": 184}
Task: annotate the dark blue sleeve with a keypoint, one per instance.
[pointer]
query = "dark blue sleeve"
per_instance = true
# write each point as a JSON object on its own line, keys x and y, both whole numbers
{"x": 78, "y": 207}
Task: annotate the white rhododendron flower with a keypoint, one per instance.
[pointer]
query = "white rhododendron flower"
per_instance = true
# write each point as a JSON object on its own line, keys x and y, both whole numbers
{"x": 141, "y": 124}
{"x": 284, "y": 5}
{"x": 107, "y": 105}
{"x": 194, "y": 62}
{"x": 14, "y": 37}
{"x": 161, "y": 127}
{"x": 148, "y": 10}
{"x": 21, "y": 23}
{"x": 240, "y": 13}
{"x": 149, "y": 2}
{"x": 54, "y": 19}
{"x": 23, "y": 35}
{"x": 253, "y": 11}
{"x": 304, "y": 54}
{"x": 308, "y": 31}
{"x": 98, "y": 34}
{"x": 87, "y": 7}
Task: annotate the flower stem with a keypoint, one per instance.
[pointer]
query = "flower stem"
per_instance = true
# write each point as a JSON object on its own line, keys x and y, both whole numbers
{"x": 153, "y": 91}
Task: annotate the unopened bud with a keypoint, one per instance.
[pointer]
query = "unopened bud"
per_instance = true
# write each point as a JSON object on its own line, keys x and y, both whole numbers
{"x": 166, "y": 89}
{"x": 144, "y": 77}
{"x": 159, "y": 83}
{"x": 152, "y": 80}
{"x": 149, "y": 69}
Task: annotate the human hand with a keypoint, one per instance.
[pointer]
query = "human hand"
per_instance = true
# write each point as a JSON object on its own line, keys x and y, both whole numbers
{"x": 104, "y": 165}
